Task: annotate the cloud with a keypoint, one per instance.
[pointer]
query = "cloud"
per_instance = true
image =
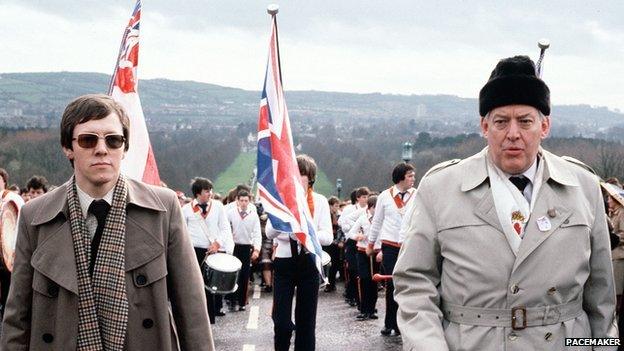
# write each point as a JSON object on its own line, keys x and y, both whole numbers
{"x": 401, "y": 46}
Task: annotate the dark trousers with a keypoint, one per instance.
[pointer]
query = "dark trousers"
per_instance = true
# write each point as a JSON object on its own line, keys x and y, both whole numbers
{"x": 368, "y": 288}
{"x": 243, "y": 253}
{"x": 300, "y": 275}
{"x": 5, "y": 283}
{"x": 352, "y": 274}
{"x": 201, "y": 254}
{"x": 390, "y": 254}
{"x": 334, "y": 253}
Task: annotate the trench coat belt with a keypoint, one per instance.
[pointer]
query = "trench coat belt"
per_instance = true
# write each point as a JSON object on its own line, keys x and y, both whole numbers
{"x": 504, "y": 317}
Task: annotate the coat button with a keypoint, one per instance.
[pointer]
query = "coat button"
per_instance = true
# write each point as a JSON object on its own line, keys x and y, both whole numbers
{"x": 552, "y": 291}
{"x": 514, "y": 289}
{"x": 53, "y": 290}
{"x": 141, "y": 280}
{"x": 552, "y": 213}
{"x": 47, "y": 338}
{"x": 513, "y": 336}
{"x": 567, "y": 221}
{"x": 148, "y": 323}
{"x": 548, "y": 336}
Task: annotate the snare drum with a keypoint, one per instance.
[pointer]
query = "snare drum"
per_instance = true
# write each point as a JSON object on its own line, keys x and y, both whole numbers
{"x": 220, "y": 272}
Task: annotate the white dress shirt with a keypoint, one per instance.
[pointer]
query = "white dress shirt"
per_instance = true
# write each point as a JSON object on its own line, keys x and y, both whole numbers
{"x": 388, "y": 217}
{"x": 245, "y": 229}
{"x": 349, "y": 215}
{"x": 216, "y": 221}
{"x": 362, "y": 226}
{"x": 85, "y": 201}
{"x": 322, "y": 227}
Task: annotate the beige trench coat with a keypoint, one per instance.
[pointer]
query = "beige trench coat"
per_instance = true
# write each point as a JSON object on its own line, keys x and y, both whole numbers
{"x": 455, "y": 254}
{"x": 164, "y": 284}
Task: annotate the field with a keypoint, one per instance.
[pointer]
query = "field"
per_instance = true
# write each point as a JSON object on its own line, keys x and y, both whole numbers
{"x": 241, "y": 170}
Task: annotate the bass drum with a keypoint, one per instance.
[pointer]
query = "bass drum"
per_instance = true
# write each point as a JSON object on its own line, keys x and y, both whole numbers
{"x": 8, "y": 234}
{"x": 220, "y": 272}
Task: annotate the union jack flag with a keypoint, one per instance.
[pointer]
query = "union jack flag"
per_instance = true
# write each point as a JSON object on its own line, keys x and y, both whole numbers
{"x": 279, "y": 186}
{"x": 139, "y": 162}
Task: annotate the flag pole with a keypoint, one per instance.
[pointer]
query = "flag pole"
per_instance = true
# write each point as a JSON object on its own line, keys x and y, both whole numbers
{"x": 272, "y": 10}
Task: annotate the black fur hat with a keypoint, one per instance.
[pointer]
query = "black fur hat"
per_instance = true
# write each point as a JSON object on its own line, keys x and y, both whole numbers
{"x": 513, "y": 81}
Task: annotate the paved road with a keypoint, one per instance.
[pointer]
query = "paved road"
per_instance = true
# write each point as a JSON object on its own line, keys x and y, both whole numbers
{"x": 336, "y": 326}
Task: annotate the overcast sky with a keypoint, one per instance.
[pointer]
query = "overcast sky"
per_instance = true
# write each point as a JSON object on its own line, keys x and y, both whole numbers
{"x": 402, "y": 47}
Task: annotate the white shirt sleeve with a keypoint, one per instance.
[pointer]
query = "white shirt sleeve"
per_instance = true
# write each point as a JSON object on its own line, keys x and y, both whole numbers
{"x": 378, "y": 218}
{"x": 256, "y": 234}
{"x": 322, "y": 216}
{"x": 225, "y": 232}
{"x": 355, "y": 229}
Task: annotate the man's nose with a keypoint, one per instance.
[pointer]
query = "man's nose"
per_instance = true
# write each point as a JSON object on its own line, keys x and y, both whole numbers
{"x": 514, "y": 130}
{"x": 100, "y": 147}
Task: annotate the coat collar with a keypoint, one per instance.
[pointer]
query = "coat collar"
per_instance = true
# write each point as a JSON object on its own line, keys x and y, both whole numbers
{"x": 555, "y": 168}
{"x": 56, "y": 201}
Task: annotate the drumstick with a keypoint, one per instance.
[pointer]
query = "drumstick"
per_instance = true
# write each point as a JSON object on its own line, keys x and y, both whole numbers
{"x": 379, "y": 277}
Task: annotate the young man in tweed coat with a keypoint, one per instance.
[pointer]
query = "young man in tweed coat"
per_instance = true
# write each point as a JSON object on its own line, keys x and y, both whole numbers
{"x": 103, "y": 262}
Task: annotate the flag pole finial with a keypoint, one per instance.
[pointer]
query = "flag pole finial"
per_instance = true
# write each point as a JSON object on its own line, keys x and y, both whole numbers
{"x": 273, "y": 9}
{"x": 543, "y": 44}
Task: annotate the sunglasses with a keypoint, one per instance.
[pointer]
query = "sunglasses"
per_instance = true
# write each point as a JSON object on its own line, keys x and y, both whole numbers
{"x": 89, "y": 141}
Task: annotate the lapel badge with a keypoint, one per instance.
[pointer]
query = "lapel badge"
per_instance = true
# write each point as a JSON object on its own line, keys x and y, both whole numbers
{"x": 543, "y": 223}
{"x": 552, "y": 213}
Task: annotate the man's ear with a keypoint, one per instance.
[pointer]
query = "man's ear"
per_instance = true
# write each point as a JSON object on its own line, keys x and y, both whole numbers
{"x": 69, "y": 153}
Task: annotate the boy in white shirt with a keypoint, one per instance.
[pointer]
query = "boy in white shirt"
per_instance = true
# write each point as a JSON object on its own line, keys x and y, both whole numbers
{"x": 247, "y": 237}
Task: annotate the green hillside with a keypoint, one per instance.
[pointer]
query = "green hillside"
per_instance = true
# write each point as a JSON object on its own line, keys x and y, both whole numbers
{"x": 241, "y": 169}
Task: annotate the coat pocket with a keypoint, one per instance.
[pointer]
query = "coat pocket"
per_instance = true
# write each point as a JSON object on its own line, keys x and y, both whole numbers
{"x": 150, "y": 272}
{"x": 44, "y": 286}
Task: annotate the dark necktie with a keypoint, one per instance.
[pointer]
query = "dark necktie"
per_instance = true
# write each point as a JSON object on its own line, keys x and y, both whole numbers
{"x": 520, "y": 182}
{"x": 203, "y": 207}
{"x": 99, "y": 208}
{"x": 402, "y": 195}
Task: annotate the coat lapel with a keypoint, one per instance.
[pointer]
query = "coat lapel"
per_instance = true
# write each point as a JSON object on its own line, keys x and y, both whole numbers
{"x": 142, "y": 244}
{"x": 486, "y": 211}
{"x": 473, "y": 182}
{"x": 54, "y": 256}
{"x": 556, "y": 178}
{"x": 55, "y": 259}
{"x": 547, "y": 200}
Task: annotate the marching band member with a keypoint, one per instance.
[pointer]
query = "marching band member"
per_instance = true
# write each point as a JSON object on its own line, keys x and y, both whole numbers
{"x": 348, "y": 217}
{"x": 294, "y": 268}
{"x": 209, "y": 230}
{"x": 247, "y": 237}
{"x": 386, "y": 226}
{"x": 367, "y": 265}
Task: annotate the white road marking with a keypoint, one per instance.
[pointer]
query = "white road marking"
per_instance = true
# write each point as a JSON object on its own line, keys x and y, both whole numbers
{"x": 256, "y": 294}
{"x": 248, "y": 347}
{"x": 254, "y": 314}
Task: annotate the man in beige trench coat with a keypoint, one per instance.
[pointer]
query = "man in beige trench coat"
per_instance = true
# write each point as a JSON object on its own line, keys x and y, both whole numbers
{"x": 103, "y": 262}
{"x": 508, "y": 249}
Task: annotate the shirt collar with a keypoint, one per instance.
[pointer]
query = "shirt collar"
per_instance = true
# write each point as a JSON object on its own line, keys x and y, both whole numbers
{"x": 529, "y": 173}
{"x": 86, "y": 199}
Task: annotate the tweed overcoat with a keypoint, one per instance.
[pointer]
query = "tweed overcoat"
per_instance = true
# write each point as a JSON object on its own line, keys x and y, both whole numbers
{"x": 167, "y": 304}
{"x": 455, "y": 254}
